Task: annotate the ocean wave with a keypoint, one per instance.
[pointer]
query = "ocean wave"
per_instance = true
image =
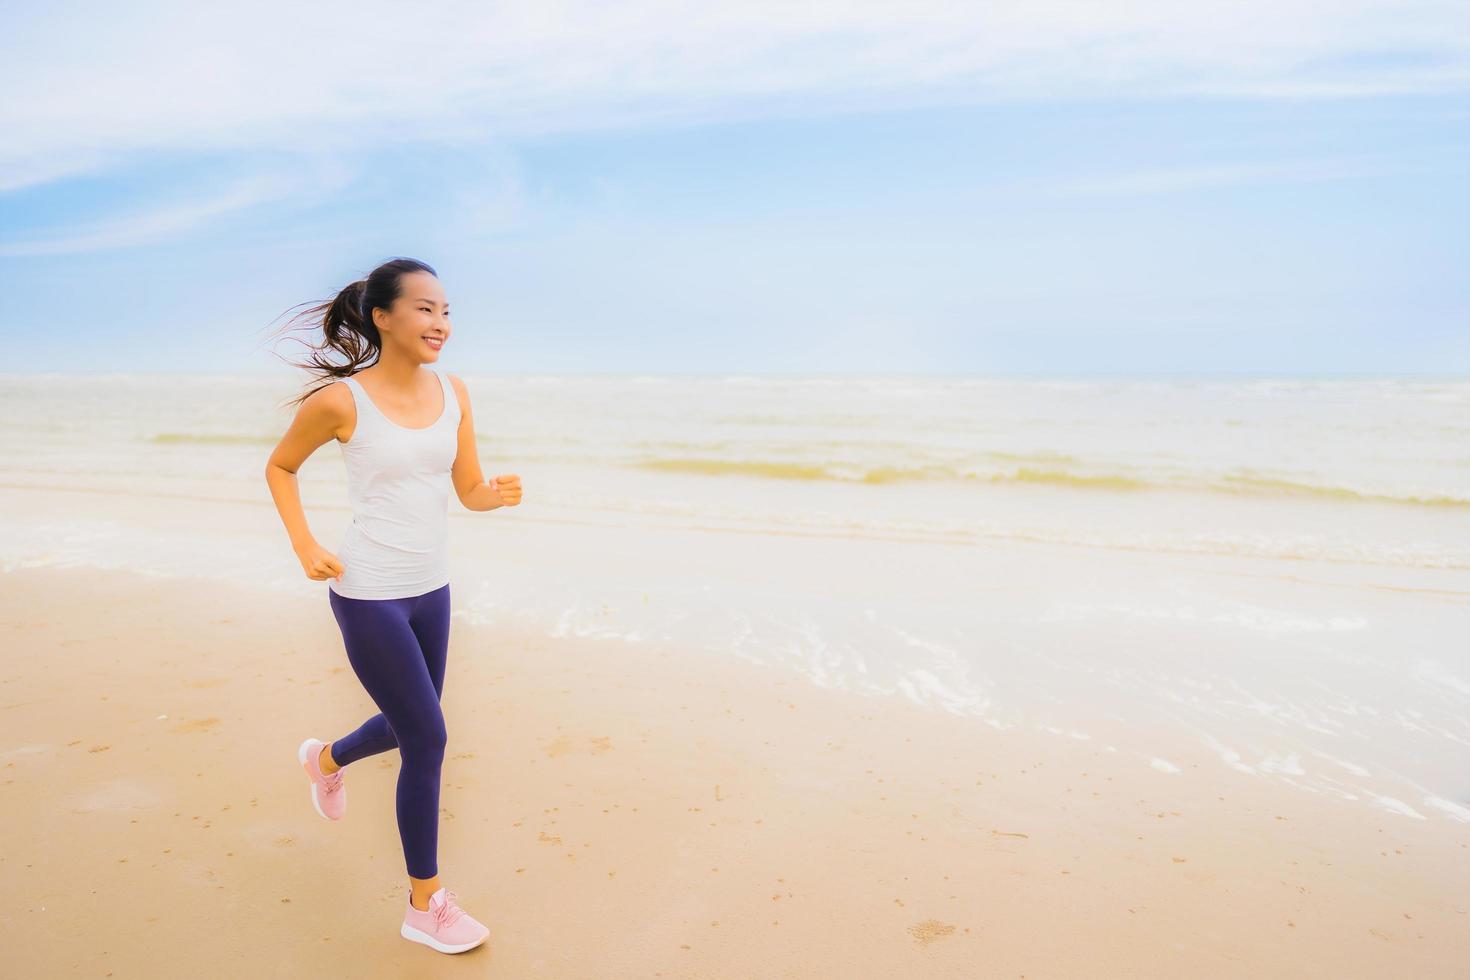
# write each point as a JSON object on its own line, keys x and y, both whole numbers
{"x": 1237, "y": 483}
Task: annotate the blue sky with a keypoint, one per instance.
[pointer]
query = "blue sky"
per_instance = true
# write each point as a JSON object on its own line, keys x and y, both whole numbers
{"x": 1025, "y": 188}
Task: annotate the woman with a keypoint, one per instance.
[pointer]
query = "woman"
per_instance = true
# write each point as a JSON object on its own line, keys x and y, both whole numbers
{"x": 407, "y": 434}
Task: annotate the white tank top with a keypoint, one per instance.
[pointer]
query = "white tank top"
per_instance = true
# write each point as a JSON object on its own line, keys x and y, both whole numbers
{"x": 398, "y": 481}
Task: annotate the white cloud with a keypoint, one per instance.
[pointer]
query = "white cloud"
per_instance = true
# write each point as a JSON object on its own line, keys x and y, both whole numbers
{"x": 89, "y": 85}
{"x": 174, "y": 218}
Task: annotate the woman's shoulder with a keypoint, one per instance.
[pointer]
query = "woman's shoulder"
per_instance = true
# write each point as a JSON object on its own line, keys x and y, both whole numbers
{"x": 461, "y": 393}
{"x": 332, "y": 403}
{"x": 335, "y": 393}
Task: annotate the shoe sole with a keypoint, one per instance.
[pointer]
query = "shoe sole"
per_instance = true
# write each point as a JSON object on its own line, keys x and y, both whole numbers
{"x": 301, "y": 757}
{"x": 415, "y": 935}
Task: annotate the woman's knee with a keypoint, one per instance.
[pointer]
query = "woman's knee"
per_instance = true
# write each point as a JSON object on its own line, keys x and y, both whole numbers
{"x": 426, "y": 739}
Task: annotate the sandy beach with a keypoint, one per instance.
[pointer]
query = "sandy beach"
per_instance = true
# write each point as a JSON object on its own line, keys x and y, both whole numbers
{"x": 620, "y": 810}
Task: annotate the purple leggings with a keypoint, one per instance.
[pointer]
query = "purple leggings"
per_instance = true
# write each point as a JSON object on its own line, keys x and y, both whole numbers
{"x": 398, "y": 649}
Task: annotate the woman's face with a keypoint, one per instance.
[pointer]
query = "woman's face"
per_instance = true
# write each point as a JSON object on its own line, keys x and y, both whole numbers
{"x": 417, "y": 326}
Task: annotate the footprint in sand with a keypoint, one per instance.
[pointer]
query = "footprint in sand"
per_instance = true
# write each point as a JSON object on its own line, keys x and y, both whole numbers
{"x": 565, "y": 744}
{"x": 196, "y": 725}
{"x": 929, "y": 930}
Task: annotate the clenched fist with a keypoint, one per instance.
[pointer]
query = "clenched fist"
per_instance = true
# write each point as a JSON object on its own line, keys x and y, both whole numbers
{"x": 319, "y": 563}
{"x": 508, "y": 487}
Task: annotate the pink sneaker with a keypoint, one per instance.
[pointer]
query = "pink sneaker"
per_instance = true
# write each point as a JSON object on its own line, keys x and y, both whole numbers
{"x": 328, "y": 794}
{"x": 445, "y": 926}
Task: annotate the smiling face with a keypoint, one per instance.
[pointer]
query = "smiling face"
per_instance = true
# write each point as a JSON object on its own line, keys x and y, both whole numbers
{"x": 417, "y": 326}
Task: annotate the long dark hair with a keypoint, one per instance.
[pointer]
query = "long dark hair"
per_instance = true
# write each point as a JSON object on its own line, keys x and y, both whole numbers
{"x": 346, "y": 322}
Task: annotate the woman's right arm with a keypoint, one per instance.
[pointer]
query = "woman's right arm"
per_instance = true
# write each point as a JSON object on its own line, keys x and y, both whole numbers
{"x": 318, "y": 420}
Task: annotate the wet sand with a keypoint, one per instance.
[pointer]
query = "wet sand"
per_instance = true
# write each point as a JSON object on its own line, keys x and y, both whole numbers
{"x": 635, "y": 810}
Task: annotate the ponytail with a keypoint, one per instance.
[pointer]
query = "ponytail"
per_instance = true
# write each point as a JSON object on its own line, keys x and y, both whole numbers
{"x": 347, "y": 328}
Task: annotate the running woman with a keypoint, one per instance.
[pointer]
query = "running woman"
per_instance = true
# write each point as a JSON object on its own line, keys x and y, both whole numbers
{"x": 407, "y": 435}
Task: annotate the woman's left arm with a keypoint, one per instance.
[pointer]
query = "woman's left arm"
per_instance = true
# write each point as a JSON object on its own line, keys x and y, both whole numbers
{"x": 469, "y": 481}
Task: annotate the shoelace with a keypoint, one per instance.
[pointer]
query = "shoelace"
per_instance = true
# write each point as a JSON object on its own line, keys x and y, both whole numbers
{"x": 332, "y": 782}
{"x": 449, "y": 912}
